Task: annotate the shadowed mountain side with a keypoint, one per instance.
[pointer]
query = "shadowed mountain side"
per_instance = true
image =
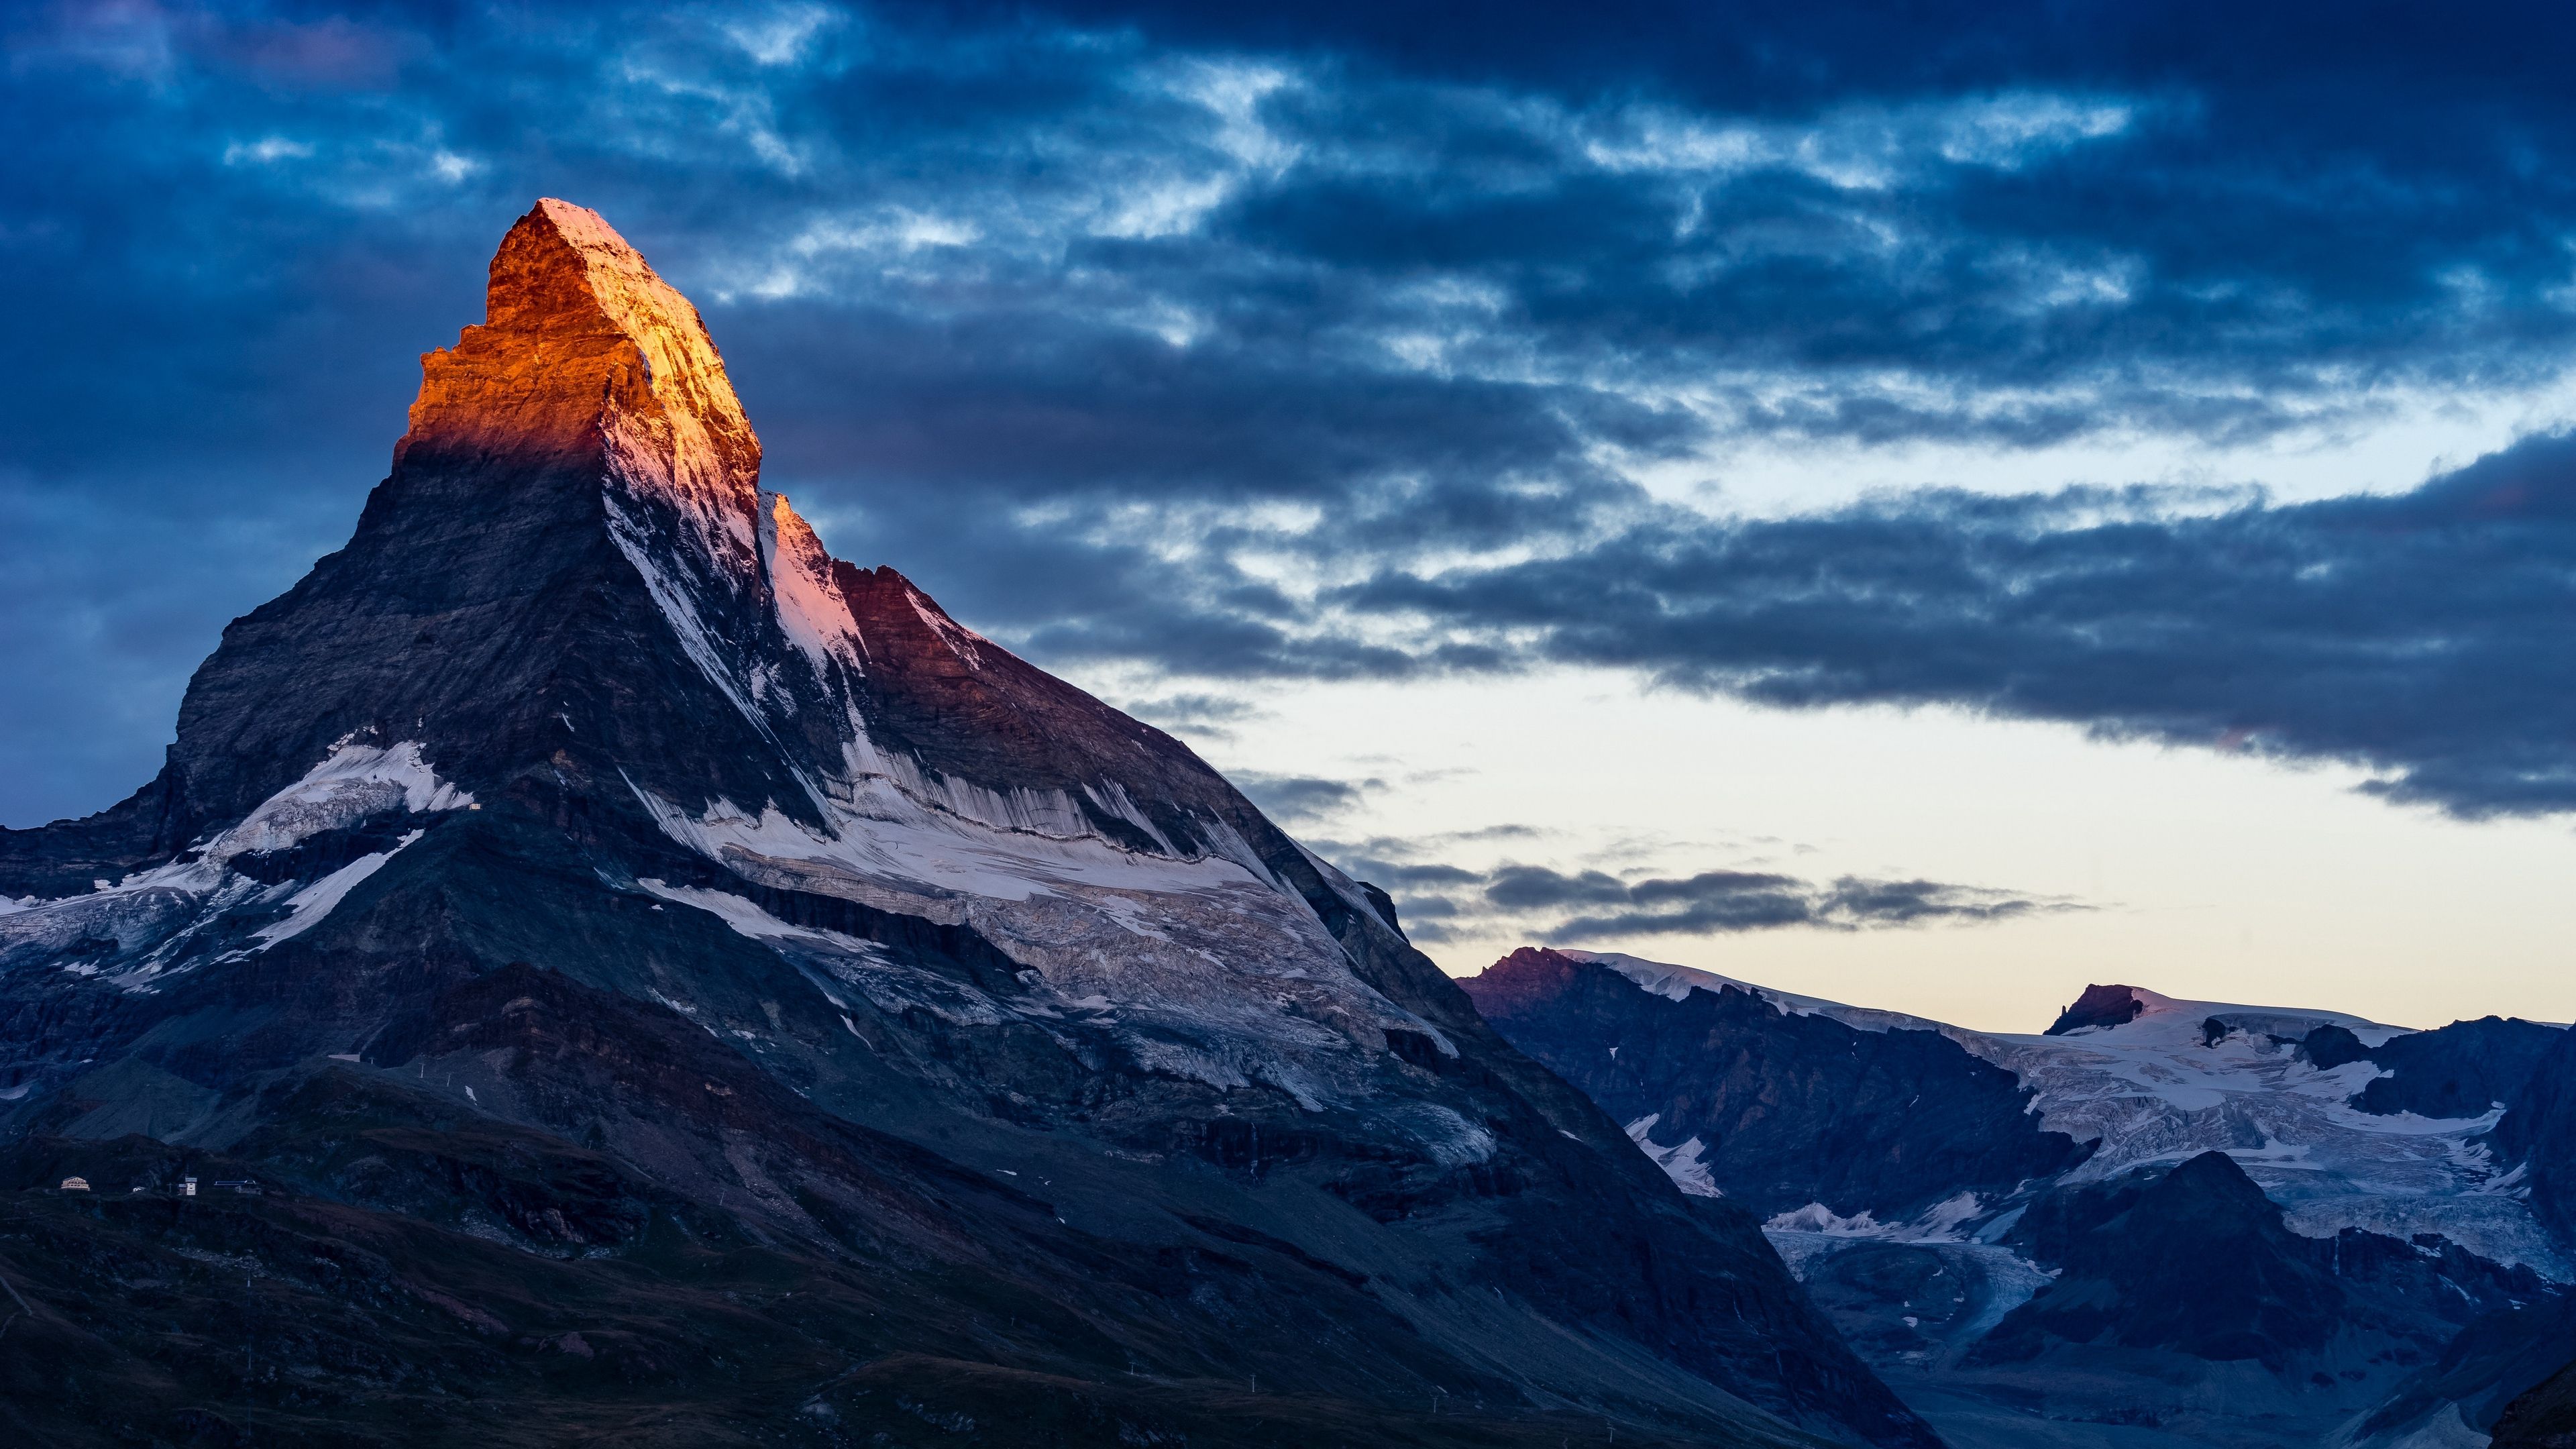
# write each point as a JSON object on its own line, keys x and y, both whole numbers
{"x": 2544, "y": 1418}
{"x": 524, "y": 1291}
{"x": 2195, "y": 1260}
{"x": 558, "y": 1113}
{"x": 2465, "y": 1069}
{"x": 2494, "y": 1360}
{"x": 1786, "y": 1109}
{"x": 2538, "y": 1132}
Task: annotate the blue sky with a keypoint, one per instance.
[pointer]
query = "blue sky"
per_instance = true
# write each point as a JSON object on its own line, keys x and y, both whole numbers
{"x": 2166, "y": 389}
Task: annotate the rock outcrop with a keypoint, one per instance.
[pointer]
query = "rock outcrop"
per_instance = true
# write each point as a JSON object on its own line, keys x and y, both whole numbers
{"x": 2544, "y": 1417}
{"x": 2196, "y": 1260}
{"x": 2538, "y": 1135}
{"x": 2099, "y": 1006}
{"x": 2466, "y": 1069}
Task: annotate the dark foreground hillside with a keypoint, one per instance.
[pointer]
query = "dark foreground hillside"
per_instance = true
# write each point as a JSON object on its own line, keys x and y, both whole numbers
{"x": 288, "y": 1320}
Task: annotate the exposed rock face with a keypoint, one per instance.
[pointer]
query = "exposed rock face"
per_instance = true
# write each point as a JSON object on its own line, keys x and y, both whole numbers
{"x": 1780, "y": 1110}
{"x": 2538, "y": 1133}
{"x": 2544, "y": 1418}
{"x": 2466, "y": 1069}
{"x": 2196, "y": 1261}
{"x": 2099, "y": 1006}
{"x": 582, "y": 849}
{"x": 2495, "y": 1361}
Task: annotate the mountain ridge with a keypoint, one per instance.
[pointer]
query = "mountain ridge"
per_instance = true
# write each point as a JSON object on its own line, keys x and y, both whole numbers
{"x": 2287, "y": 1226}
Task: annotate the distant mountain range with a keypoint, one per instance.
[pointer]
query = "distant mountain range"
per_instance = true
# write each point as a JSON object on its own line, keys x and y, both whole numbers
{"x": 2166, "y": 1218}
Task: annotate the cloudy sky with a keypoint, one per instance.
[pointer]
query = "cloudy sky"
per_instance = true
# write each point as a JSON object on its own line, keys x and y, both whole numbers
{"x": 1929, "y": 505}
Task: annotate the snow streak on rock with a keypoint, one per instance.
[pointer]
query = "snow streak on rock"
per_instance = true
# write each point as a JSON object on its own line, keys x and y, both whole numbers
{"x": 1680, "y": 1162}
{"x": 811, "y": 608}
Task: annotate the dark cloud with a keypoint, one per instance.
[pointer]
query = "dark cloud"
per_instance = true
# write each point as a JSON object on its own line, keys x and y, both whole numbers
{"x": 1722, "y": 901}
{"x": 1441, "y": 902}
{"x": 1326, "y": 341}
{"x": 1302, "y": 799}
{"x": 1194, "y": 713}
{"x": 2422, "y": 635}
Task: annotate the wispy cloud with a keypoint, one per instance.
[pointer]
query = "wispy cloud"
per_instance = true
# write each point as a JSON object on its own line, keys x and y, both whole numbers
{"x": 1599, "y": 902}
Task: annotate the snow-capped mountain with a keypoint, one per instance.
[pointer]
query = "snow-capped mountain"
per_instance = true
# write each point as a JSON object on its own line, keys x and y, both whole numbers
{"x": 2052, "y": 1207}
{"x": 703, "y": 973}
{"x": 2138, "y": 1079}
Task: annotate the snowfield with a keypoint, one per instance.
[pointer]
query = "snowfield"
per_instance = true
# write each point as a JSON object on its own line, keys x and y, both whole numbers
{"x": 153, "y": 924}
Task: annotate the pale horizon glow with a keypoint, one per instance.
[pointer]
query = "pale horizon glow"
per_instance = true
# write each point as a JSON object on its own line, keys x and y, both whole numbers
{"x": 2210, "y": 876}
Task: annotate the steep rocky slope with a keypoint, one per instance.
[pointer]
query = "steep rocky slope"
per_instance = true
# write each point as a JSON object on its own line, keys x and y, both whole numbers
{"x": 2543, "y": 1418}
{"x": 1782, "y": 1108}
{"x": 2194, "y": 1259}
{"x": 2466, "y": 1392}
{"x": 2465, "y": 1069}
{"x": 2537, "y": 1135}
{"x": 582, "y": 867}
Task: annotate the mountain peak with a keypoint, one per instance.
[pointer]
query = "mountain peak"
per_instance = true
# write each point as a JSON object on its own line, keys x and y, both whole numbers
{"x": 2102, "y": 1006}
{"x": 809, "y": 907}
{"x": 582, "y": 343}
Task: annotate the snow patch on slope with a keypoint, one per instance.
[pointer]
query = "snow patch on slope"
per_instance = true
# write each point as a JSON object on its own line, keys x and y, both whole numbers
{"x": 744, "y": 917}
{"x": 350, "y": 784}
{"x": 1203, "y": 968}
{"x": 166, "y": 919}
{"x": 634, "y": 541}
{"x": 315, "y": 901}
{"x": 1680, "y": 1163}
{"x": 811, "y": 611}
{"x": 1943, "y": 1222}
{"x": 938, "y": 855}
{"x": 961, "y": 641}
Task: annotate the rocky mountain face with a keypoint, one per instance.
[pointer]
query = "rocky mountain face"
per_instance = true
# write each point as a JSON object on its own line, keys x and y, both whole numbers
{"x": 2195, "y": 1260}
{"x": 1775, "y": 1109}
{"x": 2171, "y": 1221}
{"x": 644, "y": 976}
{"x": 2537, "y": 1135}
{"x": 2544, "y": 1417}
{"x": 2465, "y": 1069}
{"x": 2099, "y": 1006}
{"x": 2471, "y": 1388}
